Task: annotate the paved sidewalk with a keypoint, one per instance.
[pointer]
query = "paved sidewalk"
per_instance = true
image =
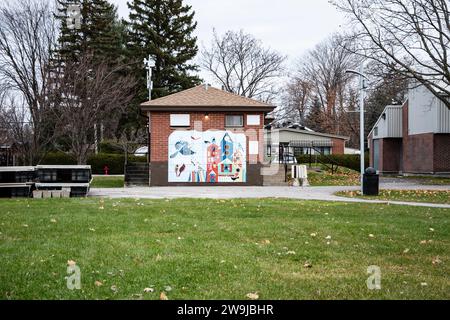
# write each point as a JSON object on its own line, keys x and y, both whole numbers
{"x": 309, "y": 193}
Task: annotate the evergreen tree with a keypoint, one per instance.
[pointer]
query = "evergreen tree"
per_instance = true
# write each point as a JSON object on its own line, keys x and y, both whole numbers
{"x": 101, "y": 34}
{"x": 315, "y": 117}
{"x": 164, "y": 29}
{"x": 100, "y": 39}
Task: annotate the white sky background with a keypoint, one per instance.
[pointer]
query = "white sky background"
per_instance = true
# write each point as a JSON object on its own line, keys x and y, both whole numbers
{"x": 289, "y": 26}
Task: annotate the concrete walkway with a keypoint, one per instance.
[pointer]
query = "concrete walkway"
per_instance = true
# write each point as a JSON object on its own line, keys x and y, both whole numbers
{"x": 309, "y": 193}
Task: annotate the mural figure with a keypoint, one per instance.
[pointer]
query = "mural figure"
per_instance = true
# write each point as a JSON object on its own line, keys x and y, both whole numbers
{"x": 211, "y": 157}
{"x": 227, "y": 147}
{"x": 179, "y": 169}
{"x": 183, "y": 148}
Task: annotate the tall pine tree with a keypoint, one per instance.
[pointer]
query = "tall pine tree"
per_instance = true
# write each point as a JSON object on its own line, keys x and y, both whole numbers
{"x": 315, "y": 118}
{"x": 164, "y": 29}
{"x": 100, "y": 38}
{"x": 100, "y": 34}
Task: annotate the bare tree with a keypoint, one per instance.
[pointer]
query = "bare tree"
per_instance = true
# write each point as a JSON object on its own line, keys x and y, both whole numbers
{"x": 241, "y": 64}
{"x": 85, "y": 94}
{"x": 27, "y": 36}
{"x": 324, "y": 68}
{"x": 296, "y": 99}
{"x": 410, "y": 37}
{"x": 15, "y": 127}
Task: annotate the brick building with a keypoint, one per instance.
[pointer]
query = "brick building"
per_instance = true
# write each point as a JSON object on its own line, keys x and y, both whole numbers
{"x": 204, "y": 136}
{"x": 300, "y": 141}
{"x": 413, "y": 138}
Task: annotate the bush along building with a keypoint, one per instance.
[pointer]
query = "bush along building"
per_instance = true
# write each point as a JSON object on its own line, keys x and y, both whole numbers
{"x": 413, "y": 138}
{"x": 205, "y": 136}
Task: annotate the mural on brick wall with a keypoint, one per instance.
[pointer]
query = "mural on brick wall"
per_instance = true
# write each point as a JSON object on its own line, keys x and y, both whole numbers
{"x": 211, "y": 157}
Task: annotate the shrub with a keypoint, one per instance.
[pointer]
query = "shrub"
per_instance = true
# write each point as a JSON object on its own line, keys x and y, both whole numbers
{"x": 115, "y": 162}
{"x": 58, "y": 158}
{"x": 110, "y": 147}
{"x": 350, "y": 161}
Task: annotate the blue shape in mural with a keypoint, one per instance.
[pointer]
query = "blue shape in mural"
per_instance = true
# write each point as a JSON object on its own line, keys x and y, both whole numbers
{"x": 183, "y": 148}
{"x": 227, "y": 147}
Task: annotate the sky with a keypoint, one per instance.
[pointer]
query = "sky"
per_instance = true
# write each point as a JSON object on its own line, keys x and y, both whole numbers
{"x": 291, "y": 27}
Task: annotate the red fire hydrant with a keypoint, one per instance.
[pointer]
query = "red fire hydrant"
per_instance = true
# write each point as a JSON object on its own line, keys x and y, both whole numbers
{"x": 106, "y": 170}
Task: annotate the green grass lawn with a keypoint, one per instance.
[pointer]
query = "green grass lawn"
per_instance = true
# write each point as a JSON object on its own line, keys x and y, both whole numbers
{"x": 107, "y": 182}
{"x": 211, "y": 249}
{"x": 344, "y": 177}
{"x": 430, "y": 196}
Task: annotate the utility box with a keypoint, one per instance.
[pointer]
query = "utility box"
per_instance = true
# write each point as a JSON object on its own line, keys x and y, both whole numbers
{"x": 371, "y": 182}
{"x": 300, "y": 175}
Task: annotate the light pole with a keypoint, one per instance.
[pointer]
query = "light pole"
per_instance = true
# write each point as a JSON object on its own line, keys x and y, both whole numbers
{"x": 362, "y": 87}
{"x": 149, "y": 64}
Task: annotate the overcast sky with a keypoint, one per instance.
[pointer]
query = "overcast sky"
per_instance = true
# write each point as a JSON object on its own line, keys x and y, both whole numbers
{"x": 289, "y": 26}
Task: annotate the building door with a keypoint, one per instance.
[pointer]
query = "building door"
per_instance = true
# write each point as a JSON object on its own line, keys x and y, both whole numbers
{"x": 376, "y": 154}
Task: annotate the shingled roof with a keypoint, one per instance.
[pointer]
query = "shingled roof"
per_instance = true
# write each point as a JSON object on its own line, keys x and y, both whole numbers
{"x": 202, "y": 98}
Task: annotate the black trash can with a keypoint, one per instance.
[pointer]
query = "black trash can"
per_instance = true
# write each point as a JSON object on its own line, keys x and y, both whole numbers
{"x": 371, "y": 183}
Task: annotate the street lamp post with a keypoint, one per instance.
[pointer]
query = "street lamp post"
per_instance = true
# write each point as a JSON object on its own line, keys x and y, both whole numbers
{"x": 362, "y": 87}
{"x": 149, "y": 64}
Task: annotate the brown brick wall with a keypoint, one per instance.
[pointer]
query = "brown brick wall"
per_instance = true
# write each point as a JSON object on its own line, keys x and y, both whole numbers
{"x": 161, "y": 130}
{"x": 418, "y": 149}
{"x": 390, "y": 155}
{"x": 441, "y": 153}
{"x": 338, "y": 146}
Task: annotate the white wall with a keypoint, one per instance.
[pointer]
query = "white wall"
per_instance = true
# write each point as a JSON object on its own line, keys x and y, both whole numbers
{"x": 390, "y": 126}
{"x": 427, "y": 114}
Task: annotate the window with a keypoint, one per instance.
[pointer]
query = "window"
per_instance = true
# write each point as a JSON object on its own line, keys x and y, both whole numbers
{"x": 253, "y": 120}
{"x": 253, "y": 147}
{"x": 47, "y": 175}
{"x": 80, "y": 175}
{"x": 234, "y": 121}
{"x": 325, "y": 150}
{"x": 375, "y": 131}
{"x": 180, "y": 120}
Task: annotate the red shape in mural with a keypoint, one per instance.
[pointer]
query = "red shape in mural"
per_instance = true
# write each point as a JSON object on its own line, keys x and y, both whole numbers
{"x": 213, "y": 160}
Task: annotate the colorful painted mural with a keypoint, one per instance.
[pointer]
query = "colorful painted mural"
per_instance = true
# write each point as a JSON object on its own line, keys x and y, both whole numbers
{"x": 211, "y": 157}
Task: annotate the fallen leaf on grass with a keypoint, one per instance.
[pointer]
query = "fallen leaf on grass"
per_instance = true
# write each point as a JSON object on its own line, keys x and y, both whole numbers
{"x": 114, "y": 288}
{"x": 253, "y": 296}
{"x": 436, "y": 261}
{"x": 71, "y": 262}
{"x": 53, "y": 221}
{"x": 406, "y": 250}
{"x": 163, "y": 296}
{"x": 371, "y": 236}
{"x": 98, "y": 283}
{"x": 307, "y": 265}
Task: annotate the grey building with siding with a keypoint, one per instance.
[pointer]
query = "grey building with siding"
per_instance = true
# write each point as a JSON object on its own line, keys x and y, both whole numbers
{"x": 413, "y": 138}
